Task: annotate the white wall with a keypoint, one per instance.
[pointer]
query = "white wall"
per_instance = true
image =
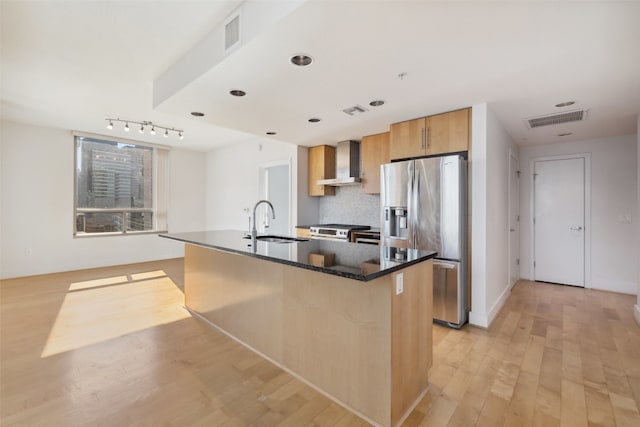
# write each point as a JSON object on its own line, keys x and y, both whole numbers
{"x": 636, "y": 310}
{"x": 489, "y": 168}
{"x": 614, "y": 177}
{"x": 37, "y": 207}
{"x": 233, "y": 181}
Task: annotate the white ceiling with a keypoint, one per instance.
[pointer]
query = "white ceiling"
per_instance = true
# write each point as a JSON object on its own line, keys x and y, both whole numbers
{"x": 71, "y": 64}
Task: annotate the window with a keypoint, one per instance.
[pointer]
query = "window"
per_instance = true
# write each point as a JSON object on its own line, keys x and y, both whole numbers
{"x": 120, "y": 187}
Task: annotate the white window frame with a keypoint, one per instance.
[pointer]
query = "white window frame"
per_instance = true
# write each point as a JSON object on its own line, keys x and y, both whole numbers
{"x": 159, "y": 195}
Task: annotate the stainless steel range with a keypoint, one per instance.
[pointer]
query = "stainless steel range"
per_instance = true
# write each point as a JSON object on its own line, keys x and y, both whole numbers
{"x": 335, "y": 231}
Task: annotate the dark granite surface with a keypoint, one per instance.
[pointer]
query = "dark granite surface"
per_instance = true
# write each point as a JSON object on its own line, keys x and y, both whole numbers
{"x": 352, "y": 260}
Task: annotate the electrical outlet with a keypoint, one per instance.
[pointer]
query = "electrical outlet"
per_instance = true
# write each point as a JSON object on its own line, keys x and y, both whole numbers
{"x": 399, "y": 283}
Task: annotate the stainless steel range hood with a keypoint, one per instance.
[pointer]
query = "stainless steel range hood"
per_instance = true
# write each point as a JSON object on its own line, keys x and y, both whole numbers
{"x": 347, "y": 165}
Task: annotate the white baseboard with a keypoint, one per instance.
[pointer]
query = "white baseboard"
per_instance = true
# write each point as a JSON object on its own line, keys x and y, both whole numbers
{"x": 636, "y": 313}
{"x": 630, "y": 288}
{"x": 499, "y": 304}
{"x": 478, "y": 319}
{"x": 483, "y": 320}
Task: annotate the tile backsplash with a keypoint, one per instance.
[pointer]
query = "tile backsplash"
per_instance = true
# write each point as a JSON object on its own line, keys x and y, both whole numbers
{"x": 350, "y": 206}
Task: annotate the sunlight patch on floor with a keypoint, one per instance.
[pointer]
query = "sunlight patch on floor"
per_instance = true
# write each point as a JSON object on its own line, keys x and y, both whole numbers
{"x": 95, "y": 283}
{"x": 93, "y": 312}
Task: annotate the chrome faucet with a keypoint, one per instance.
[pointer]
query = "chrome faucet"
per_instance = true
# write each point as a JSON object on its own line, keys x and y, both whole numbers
{"x": 254, "y": 232}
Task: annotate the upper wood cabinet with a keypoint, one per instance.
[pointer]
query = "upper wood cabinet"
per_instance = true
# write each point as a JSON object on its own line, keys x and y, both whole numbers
{"x": 322, "y": 165}
{"x": 407, "y": 139}
{"x": 439, "y": 134}
{"x": 374, "y": 152}
{"x": 448, "y": 132}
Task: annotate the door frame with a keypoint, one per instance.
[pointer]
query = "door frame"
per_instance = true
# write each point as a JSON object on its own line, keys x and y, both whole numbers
{"x": 263, "y": 185}
{"x": 513, "y": 155}
{"x": 587, "y": 211}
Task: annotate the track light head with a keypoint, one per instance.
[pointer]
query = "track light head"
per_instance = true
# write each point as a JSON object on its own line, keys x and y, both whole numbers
{"x": 166, "y": 133}
{"x": 153, "y": 130}
{"x": 110, "y": 125}
{"x": 180, "y": 135}
{"x": 126, "y": 127}
{"x": 141, "y": 128}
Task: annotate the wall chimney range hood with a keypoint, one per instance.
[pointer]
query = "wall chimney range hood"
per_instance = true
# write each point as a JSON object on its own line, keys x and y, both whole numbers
{"x": 347, "y": 165}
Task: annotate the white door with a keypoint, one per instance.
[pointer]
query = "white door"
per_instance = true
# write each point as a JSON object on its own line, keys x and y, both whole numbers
{"x": 559, "y": 221}
{"x": 514, "y": 220}
{"x": 276, "y": 190}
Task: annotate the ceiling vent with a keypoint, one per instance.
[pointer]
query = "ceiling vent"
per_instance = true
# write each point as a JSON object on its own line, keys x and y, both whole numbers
{"x": 232, "y": 32}
{"x": 556, "y": 119}
{"x": 356, "y": 109}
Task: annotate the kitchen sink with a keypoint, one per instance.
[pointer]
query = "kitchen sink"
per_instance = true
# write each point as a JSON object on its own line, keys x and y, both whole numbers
{"x": 278, "y": 239}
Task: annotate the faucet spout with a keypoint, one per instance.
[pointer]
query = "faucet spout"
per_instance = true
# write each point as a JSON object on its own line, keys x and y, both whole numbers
{"x": 254, "y": 231}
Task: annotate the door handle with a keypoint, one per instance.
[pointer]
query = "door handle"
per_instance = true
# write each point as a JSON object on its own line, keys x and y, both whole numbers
{"x": 426, "y": 137}
{"x": 575, "y": 228}
{"x": 512, "y": 229}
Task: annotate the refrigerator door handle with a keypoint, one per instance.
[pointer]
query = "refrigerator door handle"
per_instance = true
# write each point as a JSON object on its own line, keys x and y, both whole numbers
{"x": 446, "y": 265}
{"x": 412, "y": 207}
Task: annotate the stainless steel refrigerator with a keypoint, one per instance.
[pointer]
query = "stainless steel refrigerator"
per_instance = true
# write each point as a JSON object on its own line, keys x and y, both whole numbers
{"x": 423, "y": 205}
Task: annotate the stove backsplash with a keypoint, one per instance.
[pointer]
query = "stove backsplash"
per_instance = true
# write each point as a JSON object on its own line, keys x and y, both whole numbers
{"x": 350, "y": 206}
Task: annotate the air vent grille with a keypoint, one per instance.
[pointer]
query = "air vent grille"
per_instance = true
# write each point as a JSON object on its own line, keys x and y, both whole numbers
{"x": 556, "y": 119}
{"x": 232, "y": 33}
{"x": 356, "y": 109}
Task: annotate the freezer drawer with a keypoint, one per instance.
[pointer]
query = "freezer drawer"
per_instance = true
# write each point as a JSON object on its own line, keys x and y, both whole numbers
{"x": 449, "y": 293}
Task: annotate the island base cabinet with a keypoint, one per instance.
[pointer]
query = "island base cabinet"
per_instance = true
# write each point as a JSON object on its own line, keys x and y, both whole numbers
{"x": 357, "y": 342}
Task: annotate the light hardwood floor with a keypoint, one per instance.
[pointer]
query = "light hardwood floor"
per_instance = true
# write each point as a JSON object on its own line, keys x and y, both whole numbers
{"x": 114, "y": 347}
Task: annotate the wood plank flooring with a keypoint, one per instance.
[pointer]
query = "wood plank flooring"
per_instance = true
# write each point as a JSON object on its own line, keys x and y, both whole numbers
{"x": 114, "y": 347}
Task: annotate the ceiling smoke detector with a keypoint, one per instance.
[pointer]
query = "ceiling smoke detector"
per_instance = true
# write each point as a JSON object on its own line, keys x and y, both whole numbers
{"x": 556, "y": 119}
{"x": 356, "y": 109}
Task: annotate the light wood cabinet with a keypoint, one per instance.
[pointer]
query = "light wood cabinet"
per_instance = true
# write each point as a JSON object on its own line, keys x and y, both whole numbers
{"x": 322, "y": 165}
{"x": 439, "y": 134}
{"x": 407, "y": 139}
{"x": 303, "y": 232}
{"x": 374, "y": 152}
{"x": 448, "y": 132}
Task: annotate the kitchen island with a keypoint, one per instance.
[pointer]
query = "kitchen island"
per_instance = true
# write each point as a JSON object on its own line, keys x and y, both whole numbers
{"x": 331, "y": 313}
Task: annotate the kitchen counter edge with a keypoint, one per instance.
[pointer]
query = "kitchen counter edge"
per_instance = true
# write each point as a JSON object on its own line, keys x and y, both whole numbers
{"x": 184, "y": 237}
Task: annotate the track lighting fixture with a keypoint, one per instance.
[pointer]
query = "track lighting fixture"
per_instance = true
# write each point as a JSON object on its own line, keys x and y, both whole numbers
{"x": 144, "y": 123}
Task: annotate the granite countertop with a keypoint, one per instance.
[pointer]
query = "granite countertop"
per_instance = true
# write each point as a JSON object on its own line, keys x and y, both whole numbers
{"x": 350, "y": 260}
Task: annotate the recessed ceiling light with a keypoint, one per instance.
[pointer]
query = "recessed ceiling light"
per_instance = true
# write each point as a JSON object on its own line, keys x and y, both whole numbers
{"x": 197, "y": 114}
{"x": 314, "y": 120}
{"x": 271, "y": 133}
{"x": 237, "y": 92}
{"x": 376, "y": 103}
{"x": 301, "y": 60}
{"x": 565, "y": 134}
{"x": 565, "y": 104}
